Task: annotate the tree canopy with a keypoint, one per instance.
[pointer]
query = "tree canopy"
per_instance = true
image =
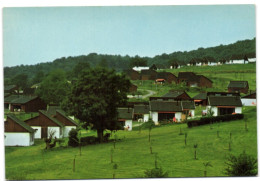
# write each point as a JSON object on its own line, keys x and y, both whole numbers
{"x": 95, "y": 96}
{"x": 54, "y": 87}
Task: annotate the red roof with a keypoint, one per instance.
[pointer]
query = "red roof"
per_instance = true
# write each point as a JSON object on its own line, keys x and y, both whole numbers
{"x": 160, "y": 80}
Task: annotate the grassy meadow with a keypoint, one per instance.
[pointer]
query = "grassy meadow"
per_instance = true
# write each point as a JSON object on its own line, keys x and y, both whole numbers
{"x": 132, "y": 153}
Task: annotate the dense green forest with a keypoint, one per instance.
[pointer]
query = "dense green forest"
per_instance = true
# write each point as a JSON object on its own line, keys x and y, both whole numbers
{"x": 34, "y": 73}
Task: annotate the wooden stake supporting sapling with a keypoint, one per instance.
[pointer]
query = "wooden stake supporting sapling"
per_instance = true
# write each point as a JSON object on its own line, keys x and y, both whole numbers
{"x": 74, "y": 162}
{"x": 206, "y": 164}
{"x": 114, "y": 167}
{"x": 111, "y": 155}
{"x": 195, "y": 151}
{"x": 186, "y": 134}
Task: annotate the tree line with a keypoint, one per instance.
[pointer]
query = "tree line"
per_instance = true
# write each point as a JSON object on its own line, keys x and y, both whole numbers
{"x": 32, "y": 74}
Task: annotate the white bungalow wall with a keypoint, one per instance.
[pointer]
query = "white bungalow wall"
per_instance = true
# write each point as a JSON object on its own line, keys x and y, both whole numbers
{"x": 248, "y": 102}
{"x": 57, "y": 133}
{"x": 238, "y": 110}
{"x": 67, "y": 130}
{"x": 146, "y": 117}
{"x": 154, "y": 116}
{"x": 178, "y": 116}
{"x": 128, "y": 123}
{"x": 214, "y": 109}
{"x": 18, "y": 139}
{"x": 38, "y": 132}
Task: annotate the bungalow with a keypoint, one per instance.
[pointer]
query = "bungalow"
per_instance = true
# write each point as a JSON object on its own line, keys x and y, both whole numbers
{"x": 24, "y": 103}
{"x": 125, "y": 117}
{"x": 177, "y": 95}
{"x": 193, "y": 80}
{"x": 250, "y": 99}
{"x": 238, "y": 86}
{"x": 222, "y": 105}
{"x": 165, "y": 110}
{"x": 132, "y": 74}
{"x": 141, "y": 111}
{"x": 167, "y": 76}
{"x": 148, "y": 74}
{"x": 188, "y": 109}
{"x": 46, "y": 123}
{"x": 200, "y": 99}
{"x": 17, "y": 132}
{"x": 8, "y": 100}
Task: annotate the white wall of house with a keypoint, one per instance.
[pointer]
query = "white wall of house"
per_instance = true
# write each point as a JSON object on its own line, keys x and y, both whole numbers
{"x": 57, "y": 131}
{"x": 252, "y": 59}
{"x": 154, "y": 116}
{"x": 38, "y": 132}
{"x": 248, "y": 102}
{"x": 192, "y": 113}
{"x": 140, "y": 68}
{"x": 67, "y": 130}
{"x": 212, "y": 64}
{"x": 178, "y": 116}
{"x": 18, "y": 139}
{"x": 194, "y": 85}
{"x": 238, "y": 110}
{"x": 239, "y": 62}
{"x": 214, "y": 109}
{"x": 146, "y": 117}
{"x": 128, "y": 123}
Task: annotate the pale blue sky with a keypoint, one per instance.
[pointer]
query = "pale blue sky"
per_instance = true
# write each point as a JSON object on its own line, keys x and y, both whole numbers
{"x": 34, "y": 35}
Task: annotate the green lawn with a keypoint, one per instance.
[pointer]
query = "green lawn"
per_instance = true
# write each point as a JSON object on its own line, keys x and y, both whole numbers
{"x": 132, "y": 153}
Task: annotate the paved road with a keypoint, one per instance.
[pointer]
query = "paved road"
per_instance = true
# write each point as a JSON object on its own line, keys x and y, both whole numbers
{"x": 150, "y": 93}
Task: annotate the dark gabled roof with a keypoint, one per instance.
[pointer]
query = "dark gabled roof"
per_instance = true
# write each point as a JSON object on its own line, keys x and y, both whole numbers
{"x": 147, "y": 72}
{"x": 68, "y": 118}
{"x": 129, "y": 71}
{"x": 141, "y": 109}
{"x": 10, "y": 98}
{"x": 21, "y": 123}
{"x": 188, "y": 104}
{"x": 198, "y": 76}
{"x": 224, "y": 101}
{"x": 186, "y": 75}
{"x": 51, "y": 118}
{"x": 223, "y": 94}
{"x": 23, "y": 99}
{"x": 174, "y": 94}
{"x": 165, "y": 106}
{"x": 164, "y": 75}
{"x": 6, "y": 94}
{"x": 9, "y": 87}
{"x": 125, "y": 113}
{"x": 201, "y": 96}
{"x": 238, "y": 84}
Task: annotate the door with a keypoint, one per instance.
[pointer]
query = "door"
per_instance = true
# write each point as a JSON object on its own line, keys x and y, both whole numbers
{"x": 44, "y": 132}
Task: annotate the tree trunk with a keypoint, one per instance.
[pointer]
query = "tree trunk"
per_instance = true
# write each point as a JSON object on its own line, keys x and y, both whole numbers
{"x": 100, "y": 135}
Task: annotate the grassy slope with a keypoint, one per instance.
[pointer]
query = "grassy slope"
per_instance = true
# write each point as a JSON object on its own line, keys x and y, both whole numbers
{"x": 132, "y": 153}
{"x": 220, "y": 75}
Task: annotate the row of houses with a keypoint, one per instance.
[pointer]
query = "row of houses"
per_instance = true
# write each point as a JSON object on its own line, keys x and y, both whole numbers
{"x": 23, "y": 133}
{"x": 178, "y": 106}
{"x": 190, "y": 78}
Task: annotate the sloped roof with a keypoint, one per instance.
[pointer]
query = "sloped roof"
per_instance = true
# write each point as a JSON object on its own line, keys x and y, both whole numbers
{"x": 21, "y": 123}
{"x": 147, "y": 72}
{"x": 201, "y": 96}
{"x": 238, "y": 84}
{"x": 52, "y": 110}
{"x": 173, "y": 94}
{"x": 51, "y": 118}
{"x": 23, "y": 99}
{"x": 198, "y": 76}
{"x": 165, "y": 106}
{"x": 125, "y": 113}
{"x": 10, "y": 98}
{"x": 186, "y": 75}
{"x": 68, "y": 118}
{"x": 225, "y": 101}
{"x": 141, "y": 109}
{"x": 9, "y": 87}
{"x": 29, "y": 91}
{"x": 188, "y": 104}
{"x": 250, "y": 95}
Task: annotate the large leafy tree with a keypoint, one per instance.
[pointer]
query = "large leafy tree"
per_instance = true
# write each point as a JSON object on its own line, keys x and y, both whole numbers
{"x": 95, "y": 96}
{"x": 21, "y": 80}
{"x": 54, "y": 87}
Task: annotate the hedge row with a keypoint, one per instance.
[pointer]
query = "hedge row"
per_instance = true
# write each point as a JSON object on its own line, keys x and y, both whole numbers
{"x": 209, "y": 120}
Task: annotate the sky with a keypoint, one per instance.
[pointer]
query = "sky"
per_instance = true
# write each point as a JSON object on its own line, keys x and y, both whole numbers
{"x": 43, "y": 34}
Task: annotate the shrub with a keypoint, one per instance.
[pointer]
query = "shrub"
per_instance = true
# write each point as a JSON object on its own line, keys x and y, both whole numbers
{"x": 242, "y": 165}
{"x": 73, "y": 138}
{"x": 155, "y": 173}
{"x": 88, "y": 140}
{"x": 209, "y": 120}
{"x": 148, "y": 124}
